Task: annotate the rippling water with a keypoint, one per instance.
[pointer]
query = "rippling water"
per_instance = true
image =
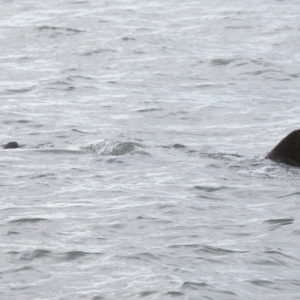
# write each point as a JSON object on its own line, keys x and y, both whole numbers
{"x": 143, "y": 128}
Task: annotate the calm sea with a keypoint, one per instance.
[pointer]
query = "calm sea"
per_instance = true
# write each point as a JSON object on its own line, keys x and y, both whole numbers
{"x": 143, "y": 128}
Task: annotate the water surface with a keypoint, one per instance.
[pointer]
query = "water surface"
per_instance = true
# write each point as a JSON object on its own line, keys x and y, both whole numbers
{"x": 143, "y": 128}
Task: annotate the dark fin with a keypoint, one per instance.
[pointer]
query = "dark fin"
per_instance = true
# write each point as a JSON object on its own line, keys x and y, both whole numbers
{"x": 288, "y": 150}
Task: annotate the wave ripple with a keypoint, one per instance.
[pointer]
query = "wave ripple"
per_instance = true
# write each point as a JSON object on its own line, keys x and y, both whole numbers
{"x": 109, "y": 147}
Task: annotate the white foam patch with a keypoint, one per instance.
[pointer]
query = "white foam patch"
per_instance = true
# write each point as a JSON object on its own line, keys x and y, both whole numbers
{"x": 110, "y": 147}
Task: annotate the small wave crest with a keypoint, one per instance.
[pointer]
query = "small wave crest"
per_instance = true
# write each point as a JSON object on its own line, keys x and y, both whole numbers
{"x": 110, "y": 147}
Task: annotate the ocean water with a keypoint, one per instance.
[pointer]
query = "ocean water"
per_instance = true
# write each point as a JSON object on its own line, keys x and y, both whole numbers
{"x": 143, "y": 128}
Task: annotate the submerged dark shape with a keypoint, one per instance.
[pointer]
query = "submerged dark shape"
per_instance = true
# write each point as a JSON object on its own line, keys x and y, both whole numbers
{"x": 11, "y": 145}
{"x": 288, "y": 150}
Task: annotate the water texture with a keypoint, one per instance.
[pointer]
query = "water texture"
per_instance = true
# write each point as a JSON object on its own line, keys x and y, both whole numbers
{"x": 143, "y": 128}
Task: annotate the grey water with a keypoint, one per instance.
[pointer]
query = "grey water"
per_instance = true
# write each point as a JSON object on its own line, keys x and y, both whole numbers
{"x": 143, "y": 128}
